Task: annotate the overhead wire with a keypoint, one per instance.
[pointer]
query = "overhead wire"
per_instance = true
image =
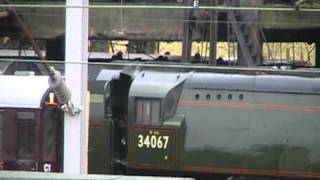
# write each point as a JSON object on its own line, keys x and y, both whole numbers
{"x": 141, "y": 64}
{"x": 124, "y": 6}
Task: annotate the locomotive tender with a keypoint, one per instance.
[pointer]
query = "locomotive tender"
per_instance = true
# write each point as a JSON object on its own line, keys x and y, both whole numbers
{"x": 245, "y": 122}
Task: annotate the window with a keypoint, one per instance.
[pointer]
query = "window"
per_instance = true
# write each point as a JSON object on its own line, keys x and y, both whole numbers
{"x": 26, "y": 134}
{"x": 49, "y": 141}
{"x": 171, "y": 102}
{"x": 148, "y": 111}
{"x": 9, "y": 140}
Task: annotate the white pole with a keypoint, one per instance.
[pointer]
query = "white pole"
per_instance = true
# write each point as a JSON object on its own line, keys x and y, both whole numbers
{"x": 75, "y": 127}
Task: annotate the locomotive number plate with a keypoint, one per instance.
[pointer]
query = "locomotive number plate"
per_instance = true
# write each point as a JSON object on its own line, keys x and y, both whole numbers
{"x": 153, "y": 141}
{"x": 153, "y": 146}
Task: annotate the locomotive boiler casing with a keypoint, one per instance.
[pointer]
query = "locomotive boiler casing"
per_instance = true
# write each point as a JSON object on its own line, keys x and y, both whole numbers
{"x": 248, "y": 123}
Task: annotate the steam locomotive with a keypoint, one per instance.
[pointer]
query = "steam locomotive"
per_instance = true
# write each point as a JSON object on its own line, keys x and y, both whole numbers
{"x": 233, "y": 122}
{"x": 250, "y": 123}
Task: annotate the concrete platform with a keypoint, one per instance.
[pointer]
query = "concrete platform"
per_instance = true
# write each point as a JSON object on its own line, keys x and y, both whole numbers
{"x": 40, "y": 175}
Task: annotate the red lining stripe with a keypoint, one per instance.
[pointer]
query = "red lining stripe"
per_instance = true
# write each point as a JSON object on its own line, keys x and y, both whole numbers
{"x": 287, "y": 174}
{"x": 235, "y": 105}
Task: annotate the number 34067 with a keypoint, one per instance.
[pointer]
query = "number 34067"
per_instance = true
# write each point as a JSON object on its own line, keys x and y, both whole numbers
{"x": 153, "y": 141}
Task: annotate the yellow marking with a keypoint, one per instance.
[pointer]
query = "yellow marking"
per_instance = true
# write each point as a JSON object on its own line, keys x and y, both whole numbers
{"x": 165, "y": 157}
{"x": 51, "y": 98}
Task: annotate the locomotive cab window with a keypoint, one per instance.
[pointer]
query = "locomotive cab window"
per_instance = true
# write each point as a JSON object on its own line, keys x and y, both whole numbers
{"x": 171, "y": 102}
{"x": 148, "y": 111}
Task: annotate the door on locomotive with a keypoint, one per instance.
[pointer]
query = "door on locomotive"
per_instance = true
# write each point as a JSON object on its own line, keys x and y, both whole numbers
{"x": 30, "y": 125}
{"x": 116, "y": 93}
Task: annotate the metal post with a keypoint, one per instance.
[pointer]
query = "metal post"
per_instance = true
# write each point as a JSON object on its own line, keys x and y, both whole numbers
{"x": 281, "y": 52}
{"x": 213, "y": 34}
{"x": 294, "y": 53}
{"x": 76, "y": 127}
{"x": 187, "y": 32}
{"x": 228, "y": 40}
{"x": 317, "y": 54}
{"x": 20, "y": 48}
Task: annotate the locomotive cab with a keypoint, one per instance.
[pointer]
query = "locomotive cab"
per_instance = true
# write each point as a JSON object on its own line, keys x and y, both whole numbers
{"x": 116, "y": 92}
{"x": 156, "y": 132}
{"x": 30, "y": 125}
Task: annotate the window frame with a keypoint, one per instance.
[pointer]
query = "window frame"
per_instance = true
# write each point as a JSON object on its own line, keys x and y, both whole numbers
{"x": 55, "y": 127}
{"x": 32, "y": 122}
{"x": 154, "y": 103}
{"x": 176, "y": 92}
